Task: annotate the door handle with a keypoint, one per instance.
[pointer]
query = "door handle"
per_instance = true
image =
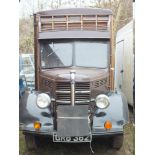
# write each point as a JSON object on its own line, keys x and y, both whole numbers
{"x": 122, "y": 71}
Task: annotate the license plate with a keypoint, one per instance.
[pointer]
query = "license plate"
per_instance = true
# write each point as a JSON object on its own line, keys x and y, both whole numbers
{"x": 71, "y": 139}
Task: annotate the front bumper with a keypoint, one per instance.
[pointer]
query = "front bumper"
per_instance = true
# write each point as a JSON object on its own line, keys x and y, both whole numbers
{"x": 48, "y": 131}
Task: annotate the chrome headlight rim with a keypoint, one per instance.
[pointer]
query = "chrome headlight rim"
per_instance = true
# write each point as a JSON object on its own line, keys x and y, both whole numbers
{"x": 102, "y": 101}
{"x": 43, "y": 100}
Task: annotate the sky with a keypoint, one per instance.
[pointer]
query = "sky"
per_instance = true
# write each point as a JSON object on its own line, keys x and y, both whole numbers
{"x": 28, "y": 7}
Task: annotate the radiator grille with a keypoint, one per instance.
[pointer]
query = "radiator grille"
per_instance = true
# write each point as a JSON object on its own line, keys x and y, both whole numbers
{"x": 63, "y": 92}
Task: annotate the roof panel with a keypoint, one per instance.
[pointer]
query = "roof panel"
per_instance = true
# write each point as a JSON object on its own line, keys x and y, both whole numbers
{"x": 75, "y": 11}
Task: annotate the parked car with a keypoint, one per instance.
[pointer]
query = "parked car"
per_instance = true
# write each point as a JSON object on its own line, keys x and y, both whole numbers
{"x": 27, "y": 69}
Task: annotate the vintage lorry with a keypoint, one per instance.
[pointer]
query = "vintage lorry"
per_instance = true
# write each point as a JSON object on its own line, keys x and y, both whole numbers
{"x": 74, "y": 98}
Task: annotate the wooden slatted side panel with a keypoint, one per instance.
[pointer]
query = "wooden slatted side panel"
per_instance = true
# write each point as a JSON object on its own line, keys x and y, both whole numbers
{"x": 89, "y": 22}
{"x": 46, "y": 23}
{"x": 74, "y": 22}
{"x": 102, "y": 22}
{"x": 59, "y": 23}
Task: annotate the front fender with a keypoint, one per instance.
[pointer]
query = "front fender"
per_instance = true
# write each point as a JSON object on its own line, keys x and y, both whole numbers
{"x": 116, "y": 112}
{"x": 29, "y": 112}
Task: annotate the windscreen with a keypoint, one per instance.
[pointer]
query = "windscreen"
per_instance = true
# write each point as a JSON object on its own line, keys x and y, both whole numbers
{"x": 74, "y": 53}
{"x": 56, "y": 54}
{"x": 91, "y": 54}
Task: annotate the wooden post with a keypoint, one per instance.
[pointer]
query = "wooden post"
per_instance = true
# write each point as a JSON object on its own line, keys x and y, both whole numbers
{"x": 81, "y": 22}
{"x": 52, "y": 23}
{"x": 36, "y": 49}
{"x": 96, "y": 22}
{"x": 67, "y": 22}
{"x": 112, "y": 56}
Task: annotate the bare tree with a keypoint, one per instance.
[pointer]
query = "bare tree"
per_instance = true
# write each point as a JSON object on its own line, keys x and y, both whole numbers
{"x": 26, "y": 35}
{"x": 122, "y": 10}
{"x": 55, "y": 4}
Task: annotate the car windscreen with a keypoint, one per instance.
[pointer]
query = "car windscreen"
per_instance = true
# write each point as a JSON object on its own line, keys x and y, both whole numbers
{"x": 74, "y": 53}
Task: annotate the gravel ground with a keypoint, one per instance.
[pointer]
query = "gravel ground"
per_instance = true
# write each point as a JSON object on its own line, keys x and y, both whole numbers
{"x": 99, "y": 146}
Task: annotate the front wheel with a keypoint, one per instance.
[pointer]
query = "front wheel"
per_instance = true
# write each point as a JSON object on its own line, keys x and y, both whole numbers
{"x": 32, "y": 142}
{"x": 117, "y": 141}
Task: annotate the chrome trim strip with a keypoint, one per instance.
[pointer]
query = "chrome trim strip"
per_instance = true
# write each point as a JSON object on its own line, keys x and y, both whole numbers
{"x": 92, "y": 100}
{"x": 84, "y": 101}
{"x": 52, "y": 99}
{"x": 83, "y": 91}
{"x": 72, "y": 75}
{"x": 63, "y": 91}
{"x": 67, "y": 92}
{"x": 72, "y": 93}
{"x": 61, "y": 101}
{"x": 74, "y": 117}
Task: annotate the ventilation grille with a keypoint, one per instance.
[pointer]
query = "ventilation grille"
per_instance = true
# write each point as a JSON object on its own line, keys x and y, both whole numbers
{"x": 100, "y": 83}
{"x": 47, "y": 83}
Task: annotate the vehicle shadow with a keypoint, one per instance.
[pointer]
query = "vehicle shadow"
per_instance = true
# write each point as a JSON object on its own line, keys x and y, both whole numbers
{"x": 99, "y": 146}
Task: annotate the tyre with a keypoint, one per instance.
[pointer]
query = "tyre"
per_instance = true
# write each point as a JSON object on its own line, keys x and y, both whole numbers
{"x": 32, "y": 142}
{"x": 117, "y": 142}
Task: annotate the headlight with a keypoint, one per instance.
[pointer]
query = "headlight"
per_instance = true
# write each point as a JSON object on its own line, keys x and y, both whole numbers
{"x": 43, "y": 100}
{"x": 102, "y": 101}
